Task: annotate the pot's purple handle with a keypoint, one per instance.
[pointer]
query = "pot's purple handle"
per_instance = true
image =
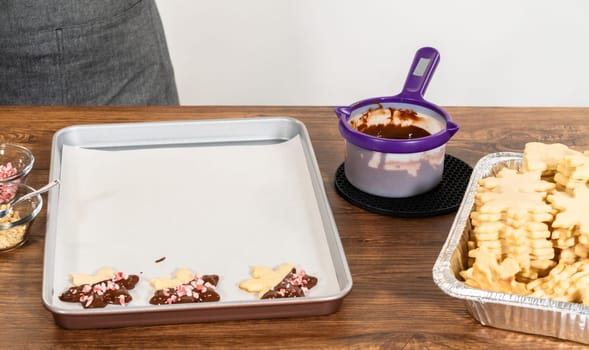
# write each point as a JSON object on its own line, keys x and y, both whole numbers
{"x": 422, "y": 69}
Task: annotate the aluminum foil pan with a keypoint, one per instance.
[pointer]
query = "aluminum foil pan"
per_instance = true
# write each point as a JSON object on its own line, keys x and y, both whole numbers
{"x": 507, "y": 311}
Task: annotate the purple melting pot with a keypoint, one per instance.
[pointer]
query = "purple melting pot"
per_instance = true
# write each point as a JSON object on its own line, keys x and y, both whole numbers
{"x": 398, "y": 167}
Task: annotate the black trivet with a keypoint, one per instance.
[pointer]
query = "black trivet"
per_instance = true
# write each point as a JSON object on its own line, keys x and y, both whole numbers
{"x": 444, "y": 198}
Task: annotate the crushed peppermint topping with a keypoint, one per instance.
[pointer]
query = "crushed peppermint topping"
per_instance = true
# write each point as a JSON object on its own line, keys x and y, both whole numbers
{"x": 119, "y": 276}
{"x": 100, "y": 294}
{"x": 295, "y": 284}
{"x": 7, "y": 190}
{"x": 7, "y": 171}
{"x": 202, "y": 288}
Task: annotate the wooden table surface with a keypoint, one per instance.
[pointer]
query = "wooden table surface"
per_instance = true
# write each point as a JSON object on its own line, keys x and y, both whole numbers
{"x": 394, "y": 303}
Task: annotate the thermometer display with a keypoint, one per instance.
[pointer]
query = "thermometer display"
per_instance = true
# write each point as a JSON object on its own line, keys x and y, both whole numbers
{"x": 421, "y": 66}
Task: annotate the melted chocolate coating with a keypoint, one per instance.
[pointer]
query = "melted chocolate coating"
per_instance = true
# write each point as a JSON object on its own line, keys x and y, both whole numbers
{"x": 392, "y": 130}
{"x": 294, "y": 285}
{"x": 102, "y": 293}
{"x": 194, "y": 291}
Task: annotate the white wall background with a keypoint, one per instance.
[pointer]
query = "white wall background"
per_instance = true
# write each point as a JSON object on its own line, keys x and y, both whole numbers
{"x": 334, "y": 52}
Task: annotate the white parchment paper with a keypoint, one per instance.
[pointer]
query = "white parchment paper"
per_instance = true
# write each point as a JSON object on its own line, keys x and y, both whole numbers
{"x": 212, "y": 209}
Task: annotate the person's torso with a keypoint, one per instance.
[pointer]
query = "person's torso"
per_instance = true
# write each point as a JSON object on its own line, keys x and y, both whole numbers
{"x": 25, "y": 16}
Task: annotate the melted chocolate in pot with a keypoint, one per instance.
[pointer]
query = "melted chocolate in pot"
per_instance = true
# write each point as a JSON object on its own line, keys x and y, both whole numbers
{"x": 391, "y": 131}
{"x": 401, "y": 125}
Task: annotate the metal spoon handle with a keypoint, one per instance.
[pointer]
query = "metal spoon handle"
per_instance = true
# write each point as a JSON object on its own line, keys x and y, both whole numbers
{"x": 36, "y": 192}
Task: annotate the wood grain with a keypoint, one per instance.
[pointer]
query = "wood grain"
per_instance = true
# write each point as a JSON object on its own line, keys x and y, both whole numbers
{"x": 394, "y": 303}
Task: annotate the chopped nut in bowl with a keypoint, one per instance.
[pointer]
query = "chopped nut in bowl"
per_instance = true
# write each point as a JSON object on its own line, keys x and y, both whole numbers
{"x": 15, "y": 162}
{"x": 15, "y": 226}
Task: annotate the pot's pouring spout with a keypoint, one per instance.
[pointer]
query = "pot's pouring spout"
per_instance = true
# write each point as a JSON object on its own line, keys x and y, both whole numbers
{"x": 451, "y": 128}
{"x": 343, "y": 113}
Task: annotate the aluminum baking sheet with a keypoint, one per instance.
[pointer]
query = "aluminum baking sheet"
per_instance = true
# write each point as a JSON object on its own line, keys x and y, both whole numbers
{"x": 213, "y": 196}
{"x": 507, "y": 311}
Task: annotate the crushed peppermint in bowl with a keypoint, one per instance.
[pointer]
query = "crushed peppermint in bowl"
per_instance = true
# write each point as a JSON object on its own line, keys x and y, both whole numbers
{"x": 15, "y": 162}
{"x": 15, "y": 226}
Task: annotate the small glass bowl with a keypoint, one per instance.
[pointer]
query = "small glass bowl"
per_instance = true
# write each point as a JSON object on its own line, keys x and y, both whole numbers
{"x": 15, "y": 162}
{"x": 15, "y": 226}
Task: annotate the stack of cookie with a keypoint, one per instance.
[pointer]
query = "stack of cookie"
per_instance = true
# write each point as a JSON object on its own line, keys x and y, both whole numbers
{"x": 571, "y": 224}
{"x": 565, "y": 282}
{"x": 568, "y": 169}
{"x": 529, "y": 228}
{"x": 572, "y": 171}
{"x": 544, "y": 157}
{"x": 510, "y": 219}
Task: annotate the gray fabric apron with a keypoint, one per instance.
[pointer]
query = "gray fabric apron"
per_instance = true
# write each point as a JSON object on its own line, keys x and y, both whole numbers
{"x": 84, "y": 52}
